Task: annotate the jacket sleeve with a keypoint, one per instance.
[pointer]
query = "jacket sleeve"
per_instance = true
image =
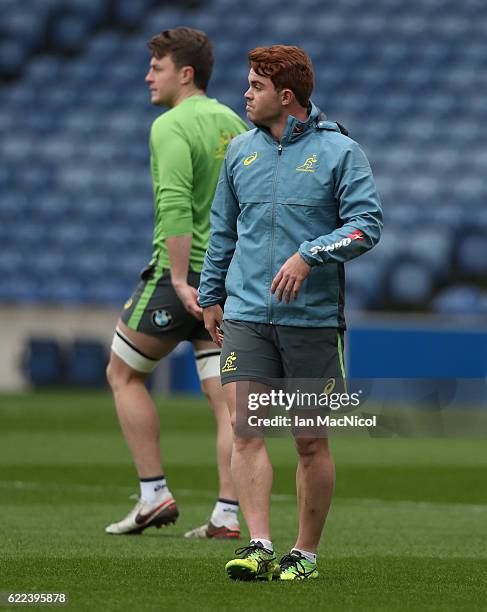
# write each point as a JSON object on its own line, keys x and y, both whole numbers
{"x": 223, "y": 240}
{"x": 359, "y": 210}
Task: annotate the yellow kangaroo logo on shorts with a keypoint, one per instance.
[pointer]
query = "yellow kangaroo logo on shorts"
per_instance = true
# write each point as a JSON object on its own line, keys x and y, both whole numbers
{"x": 128, "y": 304}
{"x": 250, "y": 159}
{"x": 230, "y": 360}
{"x": 309, "y": 164}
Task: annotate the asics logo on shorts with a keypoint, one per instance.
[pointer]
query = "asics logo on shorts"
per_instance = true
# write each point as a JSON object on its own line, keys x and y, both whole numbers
{"x": 329, "y": 386}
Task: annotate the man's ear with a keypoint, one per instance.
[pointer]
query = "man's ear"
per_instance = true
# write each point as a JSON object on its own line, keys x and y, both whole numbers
{"x": 287, "y": 97}
{"x": 186, "y": 75}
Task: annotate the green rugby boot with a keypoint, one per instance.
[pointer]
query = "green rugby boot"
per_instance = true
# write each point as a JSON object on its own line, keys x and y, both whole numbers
{"x": 255, "y": 563}
{"x": 296, "y": 567}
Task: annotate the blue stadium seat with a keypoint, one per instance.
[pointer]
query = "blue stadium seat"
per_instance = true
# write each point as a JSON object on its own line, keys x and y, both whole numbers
{"x": 44, "y": 70}
{"x": 161, "y": 19}
{"x": 107, "y": 292}
{"x": 30, "y": 236}
{"x": 69, "y": 33}
{"x": 128, "y": 13}
{"x": 365, "y": 279}
{"x": 129, "y": 266}
{"x": 472, "y": 255}
{"x": 53, "y": 208}
{"x": 5, "y": 180}
{"x": 93, "y": 265}
{"x": 29, "y": 27}
{"x": 81, "y": 123}
{"x": 75, "y": 178}
{"x": 70, "y": 237}
{"x": 410, "y": 284}
{"x": 40, "y": 124}
{"x": 15, "y": 207}
{"x": 12, "y": 263}
{"x": 126, "y": 124}
{"x": 288, "y": 26}
{"x": 461, "y": 300}
{"x": 434, "y": 247}
{"x": 37, "y": 179}
{"x": 96, "y": 211}
{"x": 63, "y": 290}
{"x": 93, "y": 12}
{"x": 18, "y": 149}
{"x": 44, "y": 362}
{"x": 13, "y": 55}
{"x": 22, "y": 290}
{"x": 87, "y": 363}
{"x": 49, "y": 263}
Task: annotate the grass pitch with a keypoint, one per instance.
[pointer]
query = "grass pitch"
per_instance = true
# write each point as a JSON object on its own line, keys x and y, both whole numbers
{"x": 407, "y": 529}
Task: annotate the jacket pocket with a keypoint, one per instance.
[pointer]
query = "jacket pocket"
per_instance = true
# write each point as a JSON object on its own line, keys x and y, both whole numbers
{"x": 322, "y": 286}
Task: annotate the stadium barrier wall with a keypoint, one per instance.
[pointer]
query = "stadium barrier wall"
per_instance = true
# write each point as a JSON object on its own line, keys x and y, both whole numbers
{"x": 378, "y": 346}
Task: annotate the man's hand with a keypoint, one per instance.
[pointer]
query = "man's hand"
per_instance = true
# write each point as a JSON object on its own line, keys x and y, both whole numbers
{"x": 189, "y": 298}
{"x": 213, "y": 317}
{"x": 290, "y": 277}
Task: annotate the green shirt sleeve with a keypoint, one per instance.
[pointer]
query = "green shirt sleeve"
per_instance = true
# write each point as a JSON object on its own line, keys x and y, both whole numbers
{"x": 172, "y": 175}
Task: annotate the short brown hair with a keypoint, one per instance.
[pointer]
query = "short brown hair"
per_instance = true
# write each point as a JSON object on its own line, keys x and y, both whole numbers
{"x": 187, "y": 47}
{"x": 287, "y": 67}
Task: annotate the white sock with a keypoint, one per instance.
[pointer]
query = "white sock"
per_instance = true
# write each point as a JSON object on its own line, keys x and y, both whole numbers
{"x": 309, "y": 556}
{"x": 225, "y": 513}
{"x": 152, "y": 488}
{"x": 265, "y": 543}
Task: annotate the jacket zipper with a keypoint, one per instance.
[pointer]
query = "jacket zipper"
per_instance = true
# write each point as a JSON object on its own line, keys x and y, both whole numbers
{"x": 273, "y": 223}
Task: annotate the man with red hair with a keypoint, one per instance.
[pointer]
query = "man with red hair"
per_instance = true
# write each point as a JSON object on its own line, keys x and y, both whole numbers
{"x": 295, "y": 200}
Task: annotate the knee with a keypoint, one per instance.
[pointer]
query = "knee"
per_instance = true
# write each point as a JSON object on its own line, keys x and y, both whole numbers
{"x": 111, "y": 374}
{"x": 247, "y": 445}
{"x": 119, "y": 374}
{"x": 308, "y": 448}
{"x": 207, "y": 390}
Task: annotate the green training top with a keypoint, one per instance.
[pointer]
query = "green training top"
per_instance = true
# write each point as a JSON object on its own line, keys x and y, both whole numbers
{"x": 187, "y": 145}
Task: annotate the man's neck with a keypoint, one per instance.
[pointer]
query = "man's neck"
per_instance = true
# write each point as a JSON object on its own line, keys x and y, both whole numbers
{"x": 187, "y": 92}
{"x": 277, "y": 129}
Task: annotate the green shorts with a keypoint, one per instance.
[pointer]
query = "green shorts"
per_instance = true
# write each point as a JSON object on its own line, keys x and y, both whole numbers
{"x": 261, "y": 352}
{"x": 155, "y": 309}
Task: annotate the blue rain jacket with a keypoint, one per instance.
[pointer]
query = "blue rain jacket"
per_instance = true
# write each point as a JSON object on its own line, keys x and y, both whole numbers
{"x": 312, "y": 192}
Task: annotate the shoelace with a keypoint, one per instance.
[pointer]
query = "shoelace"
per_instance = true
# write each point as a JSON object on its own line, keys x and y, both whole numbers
{"x": 296, "y": 562}
{"x": 250, "y": 550}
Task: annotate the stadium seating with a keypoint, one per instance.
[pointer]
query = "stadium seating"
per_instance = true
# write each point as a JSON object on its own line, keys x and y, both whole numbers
{"x": 50, "y": 363}
{"x": 406, "y": 78}
{"x": 44, "y": 362}
{"x": 87, "y": 363}
{"x": 457, "y": 299}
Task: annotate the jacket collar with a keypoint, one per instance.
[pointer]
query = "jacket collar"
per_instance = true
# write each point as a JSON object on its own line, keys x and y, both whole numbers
{"x": 295, "y": 128}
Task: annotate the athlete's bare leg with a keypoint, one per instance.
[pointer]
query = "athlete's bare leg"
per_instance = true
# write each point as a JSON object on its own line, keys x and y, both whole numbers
{"x": 315, "y": 479}
{"x": 136, "y": 411}
{"x": 212, "y": 388}
{"x": 251, "y": 472}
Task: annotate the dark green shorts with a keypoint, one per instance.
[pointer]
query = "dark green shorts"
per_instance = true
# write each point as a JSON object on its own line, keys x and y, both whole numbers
{"x": 155, "y": 309}
{"x": 260, "y": 352}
